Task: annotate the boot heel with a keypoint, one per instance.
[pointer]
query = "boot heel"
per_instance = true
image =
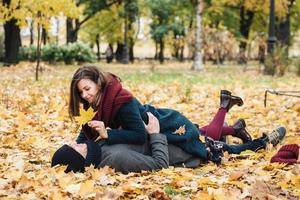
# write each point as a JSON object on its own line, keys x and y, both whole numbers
{"x": 239, "y": 99}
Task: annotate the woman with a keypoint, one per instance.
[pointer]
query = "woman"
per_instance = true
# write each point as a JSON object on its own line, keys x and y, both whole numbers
{"x": 125, "y": 116}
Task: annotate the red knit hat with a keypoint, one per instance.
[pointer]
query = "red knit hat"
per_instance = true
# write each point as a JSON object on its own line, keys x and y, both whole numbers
{"x": 287, "y": 154}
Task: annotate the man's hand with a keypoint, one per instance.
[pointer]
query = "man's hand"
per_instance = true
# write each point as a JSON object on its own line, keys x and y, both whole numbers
{"x": 99, "y": 127}
{"x": 153, "y": 124}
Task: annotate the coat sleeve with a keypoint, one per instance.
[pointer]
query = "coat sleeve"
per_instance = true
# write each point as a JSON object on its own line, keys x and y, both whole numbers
{"x": 81, "y": 137}
{"x": 133, "y": 129}
{"x": 126, "y": 160}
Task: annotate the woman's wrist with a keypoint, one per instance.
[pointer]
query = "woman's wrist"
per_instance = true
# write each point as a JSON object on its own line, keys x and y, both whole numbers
{"x": 104, "y": 134}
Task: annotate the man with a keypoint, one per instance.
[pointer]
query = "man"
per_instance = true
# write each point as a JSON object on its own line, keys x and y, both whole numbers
{"x": 78, "y": 156}
{"x": 153, "y": 155}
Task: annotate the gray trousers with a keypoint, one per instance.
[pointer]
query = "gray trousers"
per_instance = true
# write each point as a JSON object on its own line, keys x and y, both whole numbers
{"x": 153, "y": 155}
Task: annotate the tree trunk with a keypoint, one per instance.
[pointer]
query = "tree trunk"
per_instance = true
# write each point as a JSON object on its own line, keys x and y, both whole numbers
{"x": 156, "y": 51}
{"x": 98, "y": 46}
{"x": 283, "y": 32}
{"x": 161, "y": 50}
{"x": 246, "y": 18}
{"x": 125, "y": 51}
{"x": 190, "y": 42}
{"x": 122, "y": 54}
{"x": 44, "y": 36}
{"x": 109, "y": 53}
{"x": 38, "y": 52}
{"x": 131, "y": 44}
{"x": 12, "y": 42}
{"x": 181, "y": 57}
{"x": 57, "y": 31}
{"x": 198, "y": 65}
{"x": 175, "y": 53}
{"x": 71, "y": 30}
{"x": 131, "y": 52}
{"x": 31, "y": 33}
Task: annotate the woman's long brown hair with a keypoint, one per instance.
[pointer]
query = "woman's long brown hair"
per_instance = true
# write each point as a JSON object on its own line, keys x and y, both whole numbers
{"x": 86, "y": 72}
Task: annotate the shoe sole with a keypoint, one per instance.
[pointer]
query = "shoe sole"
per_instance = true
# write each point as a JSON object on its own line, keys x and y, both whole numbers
{"x": 234, "y": 98}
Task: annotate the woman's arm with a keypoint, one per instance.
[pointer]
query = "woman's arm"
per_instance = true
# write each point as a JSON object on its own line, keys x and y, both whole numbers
{"x": 133, "y": 129}
{"x": 129, "y": 126}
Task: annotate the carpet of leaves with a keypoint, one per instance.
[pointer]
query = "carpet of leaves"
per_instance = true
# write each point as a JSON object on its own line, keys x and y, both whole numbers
{"x": 34, "y": 122}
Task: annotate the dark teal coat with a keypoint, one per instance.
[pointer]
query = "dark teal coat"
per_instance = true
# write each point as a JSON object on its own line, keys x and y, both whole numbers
{"x": 128, "y": 127}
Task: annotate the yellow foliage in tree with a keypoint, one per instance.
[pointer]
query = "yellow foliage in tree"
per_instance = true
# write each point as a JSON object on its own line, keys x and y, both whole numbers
{"x": 281, "y": 6}
{"x": 39, "y": 11}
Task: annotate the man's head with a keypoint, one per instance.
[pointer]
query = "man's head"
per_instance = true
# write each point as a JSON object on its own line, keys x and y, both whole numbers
{"x": 77, "y": 156}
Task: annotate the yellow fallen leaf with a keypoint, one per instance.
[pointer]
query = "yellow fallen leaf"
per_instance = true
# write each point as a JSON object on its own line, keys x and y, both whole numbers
{"x": 203, "y": 195}
{"x": 86, "y": 188}
{"x": 273, "y": 166}
{"x": 297, "y": 109}
{"x": 205, "y": 182}
{"x": 234, "y": 176}
{"x": 180, "y": 130}
{"x": 283, "y": 184}
{"x": 202, "y": 138}
{"x": 73, "y": 189}
{"x": 295, "y": 180}
{"x": 57, "y": 196}
{"x": 85, "y": 116}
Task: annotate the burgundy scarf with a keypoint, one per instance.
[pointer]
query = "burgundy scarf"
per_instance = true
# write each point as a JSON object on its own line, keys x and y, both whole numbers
{"x": 112, "y": 98}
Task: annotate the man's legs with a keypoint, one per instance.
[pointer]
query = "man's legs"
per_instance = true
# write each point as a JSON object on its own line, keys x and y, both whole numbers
{"x": 260, "y": 143}
{"x": 255, "y": 145}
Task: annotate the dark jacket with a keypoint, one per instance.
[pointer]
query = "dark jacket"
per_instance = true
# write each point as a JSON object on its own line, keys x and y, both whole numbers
{"x": 152, "y": 155}
{"x": 127, "y": 159}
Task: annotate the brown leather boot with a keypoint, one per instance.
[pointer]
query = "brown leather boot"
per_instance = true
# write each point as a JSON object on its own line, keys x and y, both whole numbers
{"x": 227, "y": 100}
{"x": 240, "y": 131}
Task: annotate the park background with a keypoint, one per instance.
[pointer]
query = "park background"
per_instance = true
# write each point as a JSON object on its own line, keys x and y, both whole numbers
{"x": 170, "y": 53}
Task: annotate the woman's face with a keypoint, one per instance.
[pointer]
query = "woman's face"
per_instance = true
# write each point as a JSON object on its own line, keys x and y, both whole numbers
{"x": 88, "y": 90}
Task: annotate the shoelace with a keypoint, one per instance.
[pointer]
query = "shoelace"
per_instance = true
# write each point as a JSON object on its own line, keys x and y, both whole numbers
{"x": 274, "y": 137}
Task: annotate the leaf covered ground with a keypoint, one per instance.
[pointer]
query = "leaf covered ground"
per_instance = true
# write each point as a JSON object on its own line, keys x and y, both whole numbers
{"x": 34, "y": 122}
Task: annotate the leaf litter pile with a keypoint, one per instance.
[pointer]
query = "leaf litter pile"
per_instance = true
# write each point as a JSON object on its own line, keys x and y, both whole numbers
{"x": 34, "y": 122}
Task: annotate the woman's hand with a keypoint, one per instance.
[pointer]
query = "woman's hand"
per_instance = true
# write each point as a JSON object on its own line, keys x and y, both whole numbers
{"x": 153, "y": 124}
{"x": 99, "y": 127}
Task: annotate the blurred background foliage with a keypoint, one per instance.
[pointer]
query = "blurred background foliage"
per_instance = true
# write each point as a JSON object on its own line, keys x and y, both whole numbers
{"x": 124, "y": 30}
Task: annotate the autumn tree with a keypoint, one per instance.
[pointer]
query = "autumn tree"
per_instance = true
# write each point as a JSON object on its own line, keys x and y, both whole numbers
{"x": 129, "y": 14}
{"x": 288, "y": 24}
{"x": 91, "y": 8}
{"x": 131, "y": 9}
{"x": 160, "y": 15}
{"x": 104, "y": 26}
{"x": 12, "y": 38}
{"x": 181, "y": 24}
{"x": 40, "y": 11}
{"x": 197, "y": 65}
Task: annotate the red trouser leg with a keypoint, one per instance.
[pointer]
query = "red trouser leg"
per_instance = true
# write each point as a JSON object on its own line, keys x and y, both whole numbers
{"x": 216, "y": 128}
